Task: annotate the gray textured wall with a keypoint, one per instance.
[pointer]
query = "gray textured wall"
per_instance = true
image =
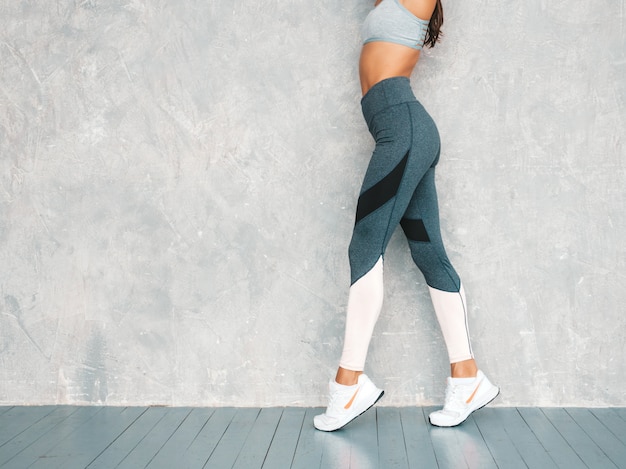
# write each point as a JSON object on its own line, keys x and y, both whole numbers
{"x": 178, "y": 180}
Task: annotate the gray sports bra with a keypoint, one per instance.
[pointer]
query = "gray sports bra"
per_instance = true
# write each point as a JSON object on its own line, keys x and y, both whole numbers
{"x": 390, "y": 21}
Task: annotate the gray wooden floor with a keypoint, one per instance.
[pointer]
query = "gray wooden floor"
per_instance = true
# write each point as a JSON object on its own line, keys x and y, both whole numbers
{"x": 385, "y": 437}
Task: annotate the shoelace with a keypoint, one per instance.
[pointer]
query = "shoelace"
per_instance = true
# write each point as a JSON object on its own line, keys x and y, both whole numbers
{"x": 453, "y": 398}
{"x": 334, "y": 397}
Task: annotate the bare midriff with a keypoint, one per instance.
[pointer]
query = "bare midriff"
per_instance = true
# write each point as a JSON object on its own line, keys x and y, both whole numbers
{"x": 382, "y": 60}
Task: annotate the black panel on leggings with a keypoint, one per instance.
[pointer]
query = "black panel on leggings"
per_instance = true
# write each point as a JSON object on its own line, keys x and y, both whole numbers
{"x": 414, "y": 230}
{"x": 381, "y": 192}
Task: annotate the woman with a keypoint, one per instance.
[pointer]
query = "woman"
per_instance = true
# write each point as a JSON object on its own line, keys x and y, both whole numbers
{"x": 399, "y": 188}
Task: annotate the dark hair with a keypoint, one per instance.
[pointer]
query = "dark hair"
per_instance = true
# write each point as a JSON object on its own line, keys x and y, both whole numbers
{"x": 434, "y": 27}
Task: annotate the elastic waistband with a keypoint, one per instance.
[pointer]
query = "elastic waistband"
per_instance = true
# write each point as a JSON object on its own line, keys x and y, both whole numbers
{"x": 386, "y": 93}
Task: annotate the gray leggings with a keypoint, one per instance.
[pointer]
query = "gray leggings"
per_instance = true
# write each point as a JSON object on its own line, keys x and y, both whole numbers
{"x": 399, "y": 186}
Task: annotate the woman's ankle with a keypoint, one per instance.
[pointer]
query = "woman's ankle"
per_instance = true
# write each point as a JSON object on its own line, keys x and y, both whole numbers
{"x": 347, "y": 377}
{"x": 464, "y": 369}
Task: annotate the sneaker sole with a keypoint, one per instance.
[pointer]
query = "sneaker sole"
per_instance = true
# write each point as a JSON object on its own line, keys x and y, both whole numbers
{"x": 353, "y": 418}
{"x": 470, "y": 413}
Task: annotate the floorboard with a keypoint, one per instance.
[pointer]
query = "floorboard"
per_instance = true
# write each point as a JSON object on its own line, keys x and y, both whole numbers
{"x": 337, "y": 449}
{"x": 310, "y": 447}
{"x": 22, "y": 418}
{"x": 266, "y": 438}
{"x": 22, "y": 440}
{"x": 43, "y": 449}
{"x": 283, "y": 446}
{"x": 611, "y": 446}
{"x": 621, "y": 411}
{"x": 525, "y": 441}
{"x": 258, "y": 442}
{"x": 474, "y": 448}
{"x": 126, "y": 441}
{"x": 555, "y": 445}
{"x": 391, "y": 446}
{"x": 177, "y": 451}
{"x": 205, "y": 442}
{"x": 82, "y": 446}
{"x": 591, "y": 454}
{"x": 612, "y": 421}
{"x": 415, "y": 429}
{"x": 363, "y": 437}
{"x": 500, "y": 445}
{"x": 147, "y": 448}
{"x": 231, "y": 443}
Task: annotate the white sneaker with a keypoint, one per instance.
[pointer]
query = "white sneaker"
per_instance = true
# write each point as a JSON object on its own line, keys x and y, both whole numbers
{"x": 464, "y": 396}
{"x": 346, "y": 403}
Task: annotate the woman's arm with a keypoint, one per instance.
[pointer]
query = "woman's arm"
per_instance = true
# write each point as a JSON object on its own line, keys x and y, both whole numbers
{"x": 420, "y": 8}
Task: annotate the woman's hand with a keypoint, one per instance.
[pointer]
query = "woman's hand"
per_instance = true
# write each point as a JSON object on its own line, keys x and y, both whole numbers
{"x": 377, "y": 2}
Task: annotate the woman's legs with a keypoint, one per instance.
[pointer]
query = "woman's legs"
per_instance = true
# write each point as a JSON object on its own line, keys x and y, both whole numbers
{"x": 407, "y": 144}
{"x": 389, "y": 182}
{"x": 365, "y": 302}
{"x": 398, "y": 188}
{"x": 422, "y": 229}
{"x": 421, "y": 226}
{"x": 468, "y": 389}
